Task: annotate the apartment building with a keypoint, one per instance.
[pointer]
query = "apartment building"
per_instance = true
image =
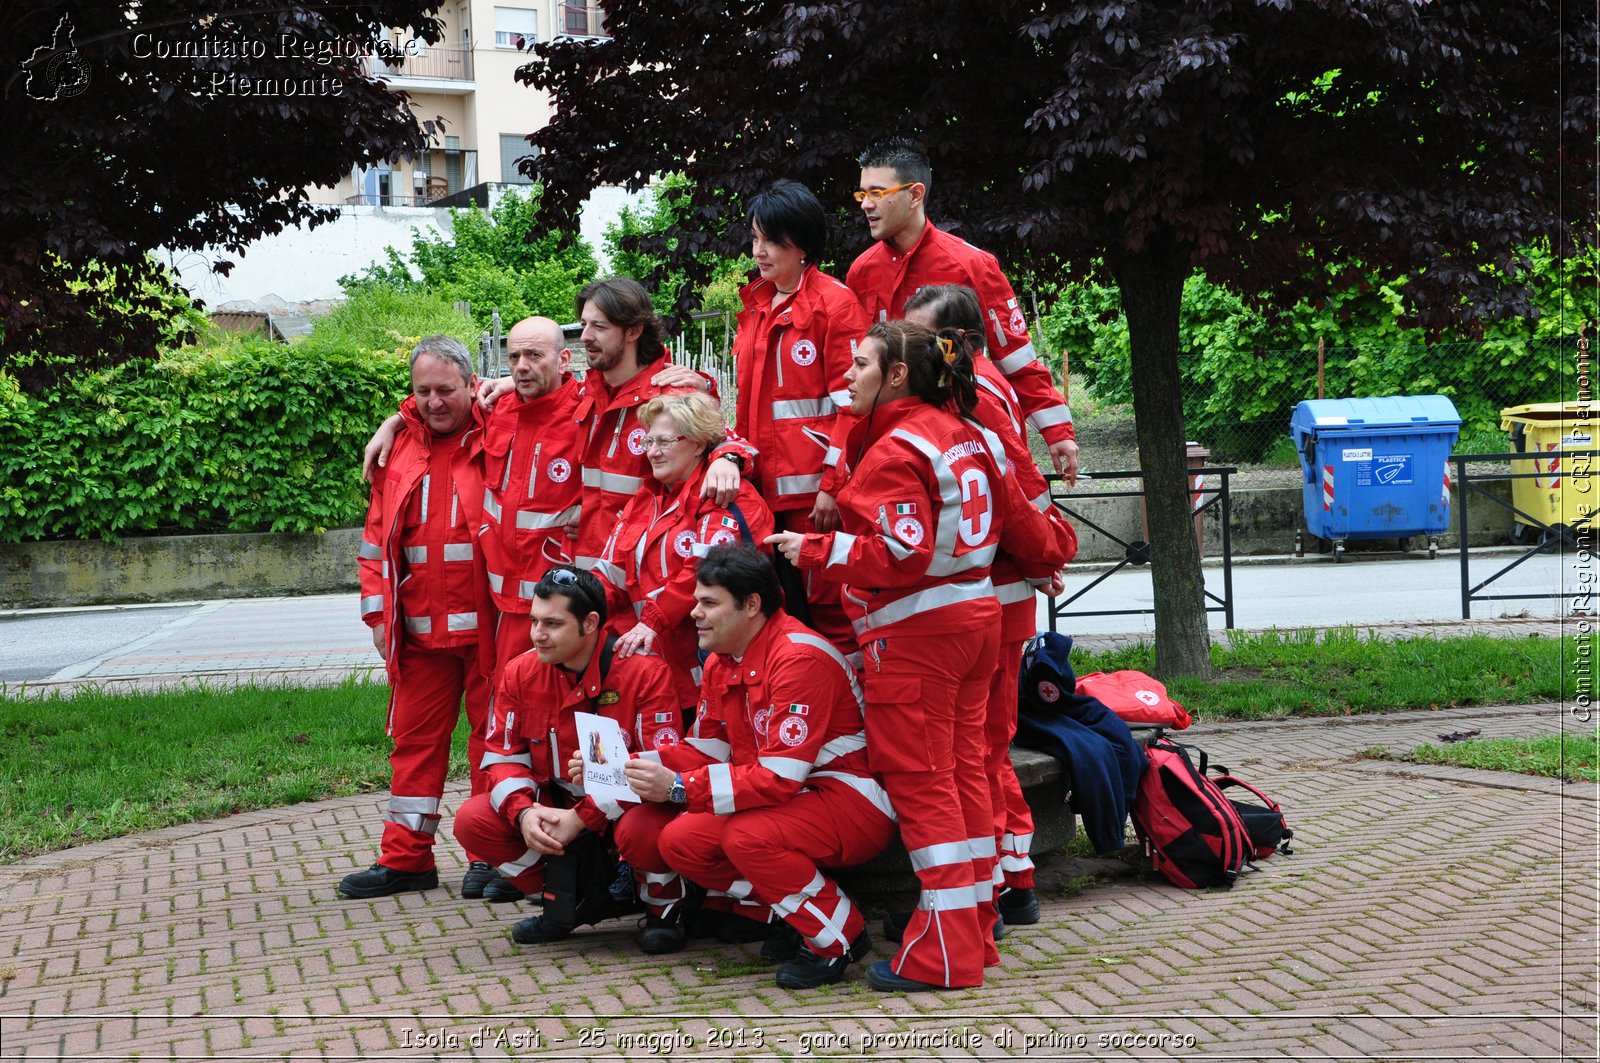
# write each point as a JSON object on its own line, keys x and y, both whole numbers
{"x": 468, "y": 80}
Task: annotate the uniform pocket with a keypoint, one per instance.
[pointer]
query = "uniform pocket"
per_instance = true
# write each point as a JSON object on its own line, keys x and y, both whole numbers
{"x": 898, "y": 738}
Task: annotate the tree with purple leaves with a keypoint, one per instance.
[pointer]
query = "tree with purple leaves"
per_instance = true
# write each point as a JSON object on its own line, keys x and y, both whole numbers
{"x": 1252, "y": 139}
{"x": 169, "y": 124}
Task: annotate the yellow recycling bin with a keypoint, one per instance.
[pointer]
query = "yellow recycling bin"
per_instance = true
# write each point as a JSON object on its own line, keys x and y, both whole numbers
{"x": 1556, "y": 488}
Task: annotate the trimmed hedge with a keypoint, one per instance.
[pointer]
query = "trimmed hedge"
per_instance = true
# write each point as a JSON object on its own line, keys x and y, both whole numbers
{"x": 244, "y": 435}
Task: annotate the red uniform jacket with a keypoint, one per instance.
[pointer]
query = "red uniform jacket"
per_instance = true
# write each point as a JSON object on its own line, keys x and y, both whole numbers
{"x": 793, "y": 404}
{"x": 614, "y": 465}
{"x": 999, "y": 412}
{"x": 420, "y": 569}
{"x": 648, "y": 564}
{"x": 784, "y": 717}
{"x": 885, "y": 279}
{"x": 532, "y": 733}
{"x": 923, "y": 514}
{"x": 532, "y": 484}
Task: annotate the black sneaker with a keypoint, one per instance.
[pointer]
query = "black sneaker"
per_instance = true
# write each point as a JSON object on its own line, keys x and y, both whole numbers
{"x": 538, "y": 930}
{"x": 659, "y": 935}
{"x": 808, "y": 970}
{"x": 499, "y": 890}
{"x": 1019, "y": 906}
{"x": 894, "y": 925}
{"x": 479, "y": 875}
{"x": 735, "y": 929}
{"x": 782, "y": 942}
{"x": 1000, "y": 927}
{"x": 380, "y": 881}
{"x": 881, "y": 976}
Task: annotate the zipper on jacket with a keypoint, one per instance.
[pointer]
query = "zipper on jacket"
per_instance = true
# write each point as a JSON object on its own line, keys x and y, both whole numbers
{"x": 454, "y": 505}
{"x": 533, "y": 473}
{"x": 999, "y": 333}
{"x": 555, "y": 768}
{"x": 505, "y": 479}
{"x": 616, "y": 436}
{"x": 777, "y": 349}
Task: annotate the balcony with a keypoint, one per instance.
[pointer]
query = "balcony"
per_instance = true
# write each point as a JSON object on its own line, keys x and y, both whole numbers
{"x": 435, "y": 177}
{"x": 582, "y": 20}
{"x": 439, "y": 64}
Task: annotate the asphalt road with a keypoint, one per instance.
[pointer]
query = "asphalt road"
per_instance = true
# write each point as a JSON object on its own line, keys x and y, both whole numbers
{"x": 324, "y": 631}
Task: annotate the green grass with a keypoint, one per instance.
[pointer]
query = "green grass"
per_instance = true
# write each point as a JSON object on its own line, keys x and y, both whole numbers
{"x": 1274, "y": 675}
{"x": 1567, "y": 756}
{"x": 91, "y": 765}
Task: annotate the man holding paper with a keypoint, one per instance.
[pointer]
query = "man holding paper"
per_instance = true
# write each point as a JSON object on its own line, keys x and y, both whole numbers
{"x": 773, "y": 779}
{"x": 531, "y": 811}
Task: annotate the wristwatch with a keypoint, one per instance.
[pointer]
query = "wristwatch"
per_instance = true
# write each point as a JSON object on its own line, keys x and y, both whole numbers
{"x": 678, "y": 795}
{"x": 737, "y": 459}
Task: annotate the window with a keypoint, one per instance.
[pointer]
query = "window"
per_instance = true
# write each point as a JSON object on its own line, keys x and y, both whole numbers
{"x": 515, "y": 27}
{"x": 513, "y": 148}
{"x": 584, "y": 19}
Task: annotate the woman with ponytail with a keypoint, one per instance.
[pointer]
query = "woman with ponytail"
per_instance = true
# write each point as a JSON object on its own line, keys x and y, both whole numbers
{"x": 929, "y": 501}
{"x": 954, "y": 309}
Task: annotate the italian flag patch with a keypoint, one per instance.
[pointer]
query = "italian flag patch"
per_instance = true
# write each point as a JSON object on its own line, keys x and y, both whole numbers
{"x": 904, "y": 508}
{"x": 729, "y": 522}
{"x": 663, "y": 717}
{"x": 799, "y": 710}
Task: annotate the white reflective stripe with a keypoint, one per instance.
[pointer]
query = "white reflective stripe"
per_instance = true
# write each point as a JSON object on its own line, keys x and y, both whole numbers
{"x": 694, "y": 673}
{"x": 841, "y": 399}
{"x": 533, "y": 520}
{"x": 1012, "y": 593}
{"x": 982, "y": 848}
{"x": 841, "y": 746}
{"x": 789, "y": 409}
{"x": 612, "y": 573}
{"x": 415, "y": 821}
{"x": 798, "y": 485}
{"x": 899, "y": 549}
{"x": 1051, "y": 416}
{"x": 1017, "y": 359}
{"x": 1016, "y": 843}
{"x": 865, "y": 786}
{"x": 1005, "y": 400}
{"x": 720, "y": 776}
{"x": 497, "y": 582}
{"x": 490, "y": 506}
{"x": 369, "y": 551}
{"x": 832, "y": 926}
{"x": 419, "y": 625}
{"x": 984, "y": 891}
{"x": 940, "y": 855}
{"x": 652, "y": 755}
{"x": 738, "y": 888}
{"x": 1041, "y": 502}
{"x": 948, "y": 900}
{"x": 520, "y": 864}
{"x": 787, "y": 768}
{"x": 429, "y": 805}
{"x": 858, "y": 660}
{"x": 612, "y": 481}
{"x": 416, "y": 555}
{"x": 427, "y": 481}
{"x": 506, "y": 787}
{"x": 924, "y": 601}
{"x": 372, "y": 603}
{"x": 525, "y": 759}
{"x": 715, "y": 748}
{"x": 840, "y": 553}
{"x": 699, "y": 549}
{"x": 791, "y": 904}
{"x": 817, "y": 642}
{"x": 1015, "y": 864}
{"x": 462, "y": 621}
{"x": 587, "y": 563}
{"x": 458, "y": 551}
{"x": 525, "y": 589}
{"x": 831, "y": 458}
{"x": 945, "y": 561}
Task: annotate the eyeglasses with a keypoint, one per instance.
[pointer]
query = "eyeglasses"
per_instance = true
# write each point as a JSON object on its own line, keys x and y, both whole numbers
{"x": 565, "y": 581}
{"x": 876, "y": 195}
{"x": 660, "y": 442}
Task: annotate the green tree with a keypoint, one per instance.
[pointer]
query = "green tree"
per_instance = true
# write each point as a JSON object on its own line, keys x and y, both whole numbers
{"x": 642, "y": 244}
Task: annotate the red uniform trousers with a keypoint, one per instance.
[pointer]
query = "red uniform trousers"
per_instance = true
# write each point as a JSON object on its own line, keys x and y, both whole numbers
{"x": 824, "y": 597}
{"x": 513, "y": 636}
{"x": 479, "y": 828}
{"x": 638, "y": 839}
{"x": 423, "y": 709}
{"x": 770, "y": 856}
{"x": 922, "y": 688}
{"x": 1013, "y": 820}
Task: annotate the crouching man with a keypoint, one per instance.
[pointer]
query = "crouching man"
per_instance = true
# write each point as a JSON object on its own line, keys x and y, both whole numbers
{"x": 773, "y": 779}
{"x": 530, "y": 813}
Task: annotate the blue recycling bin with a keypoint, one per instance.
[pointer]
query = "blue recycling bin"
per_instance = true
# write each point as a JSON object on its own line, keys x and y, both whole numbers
{"x": 1376, "y": 468}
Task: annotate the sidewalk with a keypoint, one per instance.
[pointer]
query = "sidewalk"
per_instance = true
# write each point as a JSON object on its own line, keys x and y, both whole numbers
{"x": 1428, "y": 913}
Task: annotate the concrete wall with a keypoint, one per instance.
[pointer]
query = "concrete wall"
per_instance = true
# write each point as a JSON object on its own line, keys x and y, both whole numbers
{"x": 175, "y": 568}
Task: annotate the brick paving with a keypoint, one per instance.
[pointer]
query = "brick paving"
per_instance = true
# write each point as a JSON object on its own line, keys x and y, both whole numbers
{"x": 1428, "y": 913}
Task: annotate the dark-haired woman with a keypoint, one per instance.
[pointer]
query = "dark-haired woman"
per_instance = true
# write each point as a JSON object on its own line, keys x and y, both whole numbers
{"x": 928, "y": 502}
{"x": 793, "y": 348}
{"x": 954, "y": 309}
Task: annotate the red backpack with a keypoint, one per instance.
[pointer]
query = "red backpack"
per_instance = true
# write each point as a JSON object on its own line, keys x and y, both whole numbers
{"x": 1136, "y": 697}
{"x": 1192, "y": 834}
